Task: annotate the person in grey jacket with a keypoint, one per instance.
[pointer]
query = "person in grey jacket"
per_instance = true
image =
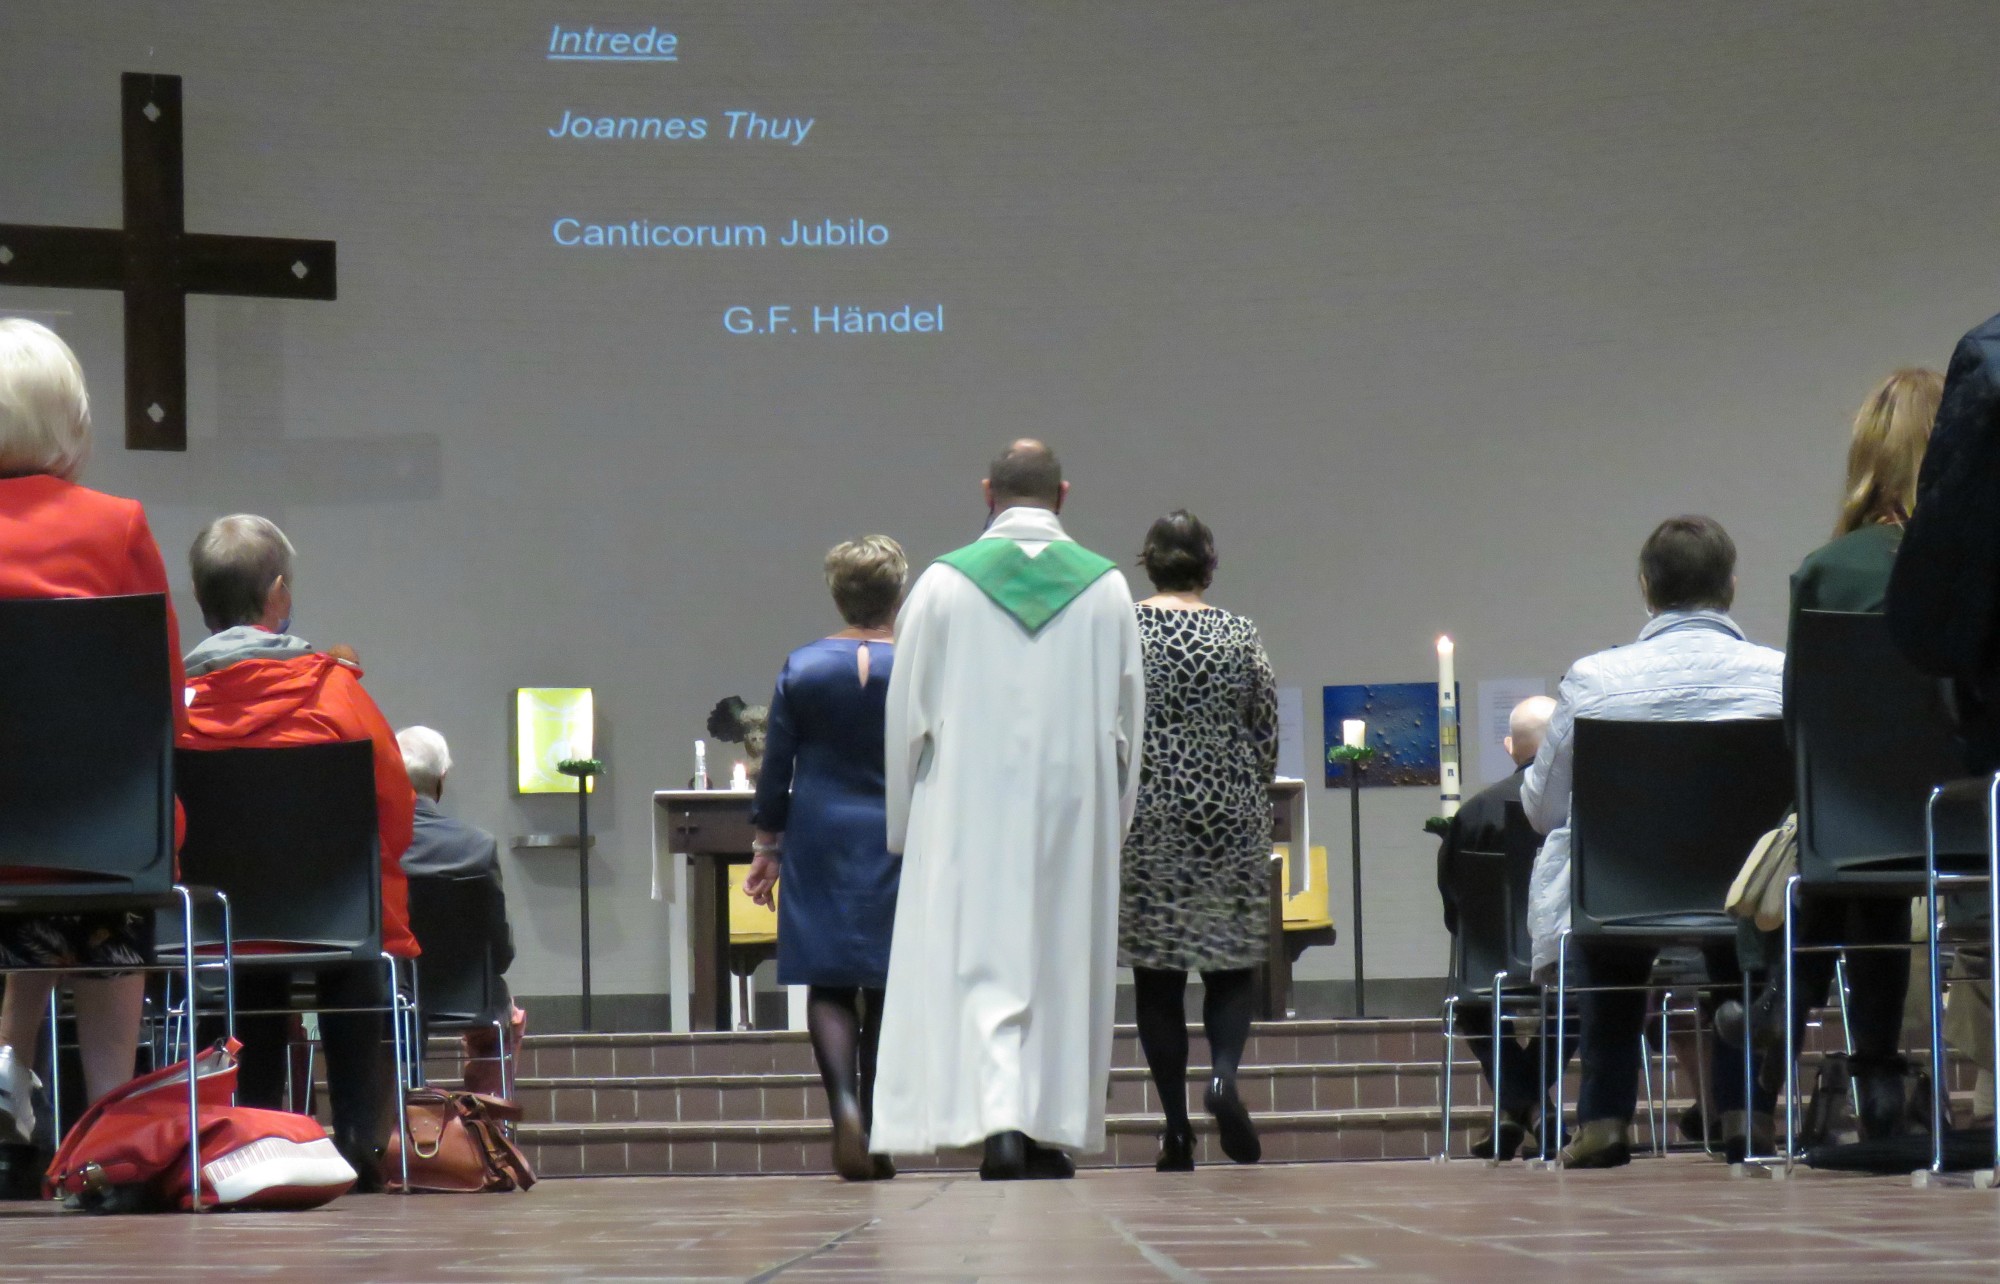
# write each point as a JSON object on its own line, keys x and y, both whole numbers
{"x": 1690, "y": 664}
{"x": 443, "y": 846}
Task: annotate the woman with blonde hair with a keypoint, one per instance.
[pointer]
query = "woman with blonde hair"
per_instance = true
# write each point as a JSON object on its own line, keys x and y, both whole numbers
{"x": 1851, "y": 573}
{"x": 823, "y": 831}
{"x": 60, "y": 539}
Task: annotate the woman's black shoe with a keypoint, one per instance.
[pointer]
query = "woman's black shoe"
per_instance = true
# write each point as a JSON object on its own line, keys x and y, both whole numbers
{"x": 850, "y": 1143}
{"x": 1232, "y": 1120}
{"x": 1176, "y": 1152}
{"x": 1885, "y": 1096}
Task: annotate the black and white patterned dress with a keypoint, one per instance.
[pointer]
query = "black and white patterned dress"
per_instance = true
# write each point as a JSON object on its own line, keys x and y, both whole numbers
{"x": 1196, "y": 878}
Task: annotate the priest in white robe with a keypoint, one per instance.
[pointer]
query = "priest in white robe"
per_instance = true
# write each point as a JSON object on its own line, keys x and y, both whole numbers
{"x": 1015, "y": 717}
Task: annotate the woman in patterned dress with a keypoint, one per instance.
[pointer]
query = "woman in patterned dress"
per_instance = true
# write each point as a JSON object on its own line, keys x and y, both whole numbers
{"x": 1196, "y": 877}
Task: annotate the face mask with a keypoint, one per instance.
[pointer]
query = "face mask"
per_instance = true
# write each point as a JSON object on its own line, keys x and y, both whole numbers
{"x": 285, "y": 625}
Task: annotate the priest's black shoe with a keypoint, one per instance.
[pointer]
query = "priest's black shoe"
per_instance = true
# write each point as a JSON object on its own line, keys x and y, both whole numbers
{"x": 1176, "y": 1151}
{"x": 1232, "y": 1121}
{"x": 1046, "y": 1163}
{"x": 1006, "y": 1157}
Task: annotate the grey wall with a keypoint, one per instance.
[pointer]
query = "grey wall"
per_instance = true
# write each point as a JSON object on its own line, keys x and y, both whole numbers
{"x": 1432, "y": 309}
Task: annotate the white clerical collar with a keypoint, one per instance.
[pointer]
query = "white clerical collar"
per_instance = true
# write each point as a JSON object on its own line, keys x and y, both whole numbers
{"x": 1027, "y": 525}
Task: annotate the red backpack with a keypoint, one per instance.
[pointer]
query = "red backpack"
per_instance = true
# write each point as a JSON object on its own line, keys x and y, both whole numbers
{"x": 129, "y": 1152}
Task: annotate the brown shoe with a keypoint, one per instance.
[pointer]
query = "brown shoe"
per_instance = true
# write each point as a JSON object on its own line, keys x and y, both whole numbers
{"x": 1600, "y": 1143}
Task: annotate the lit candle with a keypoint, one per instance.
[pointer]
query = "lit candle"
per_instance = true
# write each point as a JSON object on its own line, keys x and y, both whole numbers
{"x": 739, "y": 777}
{"x": 1354, "y": 733}
{"x": 1448, "y": 772}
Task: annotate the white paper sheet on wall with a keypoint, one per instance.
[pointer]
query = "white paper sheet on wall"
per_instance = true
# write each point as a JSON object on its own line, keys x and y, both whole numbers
{"x": 1497, "y": 698}
{"x": 1292, "y": 732}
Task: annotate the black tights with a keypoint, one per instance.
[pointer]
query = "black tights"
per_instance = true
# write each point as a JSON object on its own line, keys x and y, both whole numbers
{"x": 845, "y": 1033}
{"x": 1226, "y": 1002}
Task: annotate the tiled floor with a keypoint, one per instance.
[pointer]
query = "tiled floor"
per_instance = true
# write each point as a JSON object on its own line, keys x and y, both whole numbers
{"x": 1674, "y": 1219}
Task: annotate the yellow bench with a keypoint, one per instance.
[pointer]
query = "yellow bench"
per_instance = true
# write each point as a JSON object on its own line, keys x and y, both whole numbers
{"x": 753, "y": 937}
{"x": 1305, "y": 910}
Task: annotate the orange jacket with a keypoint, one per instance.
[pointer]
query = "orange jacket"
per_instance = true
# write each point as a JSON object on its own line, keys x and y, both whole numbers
{"x": 309, "y": 700}
{"x": 59, "y": 539}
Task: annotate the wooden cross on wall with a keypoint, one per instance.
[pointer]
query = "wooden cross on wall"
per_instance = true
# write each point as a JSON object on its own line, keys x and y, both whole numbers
{"x": 158, "y": 263}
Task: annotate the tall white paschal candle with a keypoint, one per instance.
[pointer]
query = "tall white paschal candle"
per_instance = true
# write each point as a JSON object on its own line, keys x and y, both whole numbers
{"x": 1448, "y": 776}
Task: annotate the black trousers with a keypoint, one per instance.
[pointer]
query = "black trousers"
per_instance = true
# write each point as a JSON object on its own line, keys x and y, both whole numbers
{"x": 358, "y": 1064}
{"x": 1521, "y": 1067}
{"x": 1878, "y": 981}
{"x": 1613, "y": 1022}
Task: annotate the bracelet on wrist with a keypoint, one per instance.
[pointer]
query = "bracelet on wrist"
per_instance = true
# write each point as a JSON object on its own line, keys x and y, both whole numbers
{"x": 760, "y": 848}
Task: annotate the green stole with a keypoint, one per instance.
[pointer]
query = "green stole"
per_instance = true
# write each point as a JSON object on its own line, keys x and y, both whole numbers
{"x": 1033, "y": 590}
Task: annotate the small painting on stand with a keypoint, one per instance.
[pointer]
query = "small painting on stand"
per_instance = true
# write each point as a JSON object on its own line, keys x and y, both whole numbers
{"x": 1402, "y": 720}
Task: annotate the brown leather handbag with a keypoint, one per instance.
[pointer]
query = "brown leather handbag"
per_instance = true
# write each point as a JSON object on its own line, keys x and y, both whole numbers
{"x": 457, "y": 1145}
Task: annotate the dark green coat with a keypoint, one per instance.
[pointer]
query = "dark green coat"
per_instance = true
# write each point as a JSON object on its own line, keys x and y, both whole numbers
{"x": 1849, "y": 574}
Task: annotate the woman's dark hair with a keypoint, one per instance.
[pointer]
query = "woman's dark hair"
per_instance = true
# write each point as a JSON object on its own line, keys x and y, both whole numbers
{"x": 1179, "y": 556}
{"x": 1689, "y": 564}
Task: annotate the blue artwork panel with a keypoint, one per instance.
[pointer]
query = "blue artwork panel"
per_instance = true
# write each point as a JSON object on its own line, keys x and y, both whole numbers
{"x": 1402, "y": 720}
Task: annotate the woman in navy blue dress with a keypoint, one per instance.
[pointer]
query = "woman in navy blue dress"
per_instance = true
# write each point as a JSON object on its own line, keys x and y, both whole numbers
{"x": 822, "y": 832}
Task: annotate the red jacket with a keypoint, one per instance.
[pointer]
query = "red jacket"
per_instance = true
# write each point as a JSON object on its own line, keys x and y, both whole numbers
{"x": 309, "y": 700}
{"x": 58, "y": 539}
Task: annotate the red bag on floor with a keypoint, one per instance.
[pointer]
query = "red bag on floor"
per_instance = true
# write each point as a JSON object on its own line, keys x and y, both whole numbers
{"x": 129, "y": 1152}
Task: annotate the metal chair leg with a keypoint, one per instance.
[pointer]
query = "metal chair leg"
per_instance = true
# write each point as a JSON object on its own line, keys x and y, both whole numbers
{"x": 1500, "y": 1032}
{"x": 1791, "y": 1051}
{"x": 1937, "y": 983}
{"x": 1993, "y": 930}
{"x": 1562, "y": 1020}
{"x": 1542, "y": 1103}
{"x": 194, "y": 1075}
{"x": 1666, "y": 1070}
{"x": 396, "y": 1040}
{"x": 55, "y": 1061}
{"x": 1846, "y": 1028}
{"x": 1702, "y": 1082}
{"x": 1646, "y": 1077}
{"x": 1446, "y": 1064}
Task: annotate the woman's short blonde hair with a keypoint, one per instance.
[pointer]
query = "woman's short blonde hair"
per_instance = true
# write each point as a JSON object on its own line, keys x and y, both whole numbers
{"x": 866, "y": 576}
{"x": 44, "y": 409}
{"x": 1891, "y": 432}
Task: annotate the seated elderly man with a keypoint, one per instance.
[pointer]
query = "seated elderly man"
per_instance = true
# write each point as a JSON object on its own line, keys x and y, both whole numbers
{"x": 252, "y": 685}
{"x": 1481, "y": 826}
{"x": 1690, "y": 664}
{"x": 446, "y": 847}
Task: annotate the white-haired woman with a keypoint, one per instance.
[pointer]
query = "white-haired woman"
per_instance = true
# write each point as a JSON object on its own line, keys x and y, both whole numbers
{"x": 58, "y": 539}
{"x": 822, "y": 827}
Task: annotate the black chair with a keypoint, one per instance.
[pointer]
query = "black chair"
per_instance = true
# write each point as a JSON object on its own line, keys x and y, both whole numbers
{"x": 291, "y": 836}
{"x": 1492, "y": 953}
{"x": 459, "y": 985}
{"x": 1872, "y": 738}
{"x": 1662, "y": 817}
{"x": 86, "y": 751}
{"x": 86, "y": 768}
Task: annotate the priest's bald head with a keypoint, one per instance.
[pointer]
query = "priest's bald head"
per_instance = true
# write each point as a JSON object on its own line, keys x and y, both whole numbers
{"x": 1027, "y": 475}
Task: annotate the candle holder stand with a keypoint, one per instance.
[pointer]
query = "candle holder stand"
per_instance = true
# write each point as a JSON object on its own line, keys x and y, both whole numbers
{"x": 583, "y": 769}
{"x": 1355, "y": 758}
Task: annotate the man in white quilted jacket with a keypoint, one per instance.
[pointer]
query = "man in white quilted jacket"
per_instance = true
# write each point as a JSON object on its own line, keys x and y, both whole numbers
{"x": 1691, "y": 663}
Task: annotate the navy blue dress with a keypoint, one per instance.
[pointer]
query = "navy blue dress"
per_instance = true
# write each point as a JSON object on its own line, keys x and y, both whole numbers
{"x": 821, "y": 786}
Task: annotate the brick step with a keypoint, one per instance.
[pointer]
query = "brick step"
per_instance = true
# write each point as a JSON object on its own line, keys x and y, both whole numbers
{"x": 789, "y": 1051}
{"x": 801, "y": 1146}
{"x": 787, "y": 1097}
